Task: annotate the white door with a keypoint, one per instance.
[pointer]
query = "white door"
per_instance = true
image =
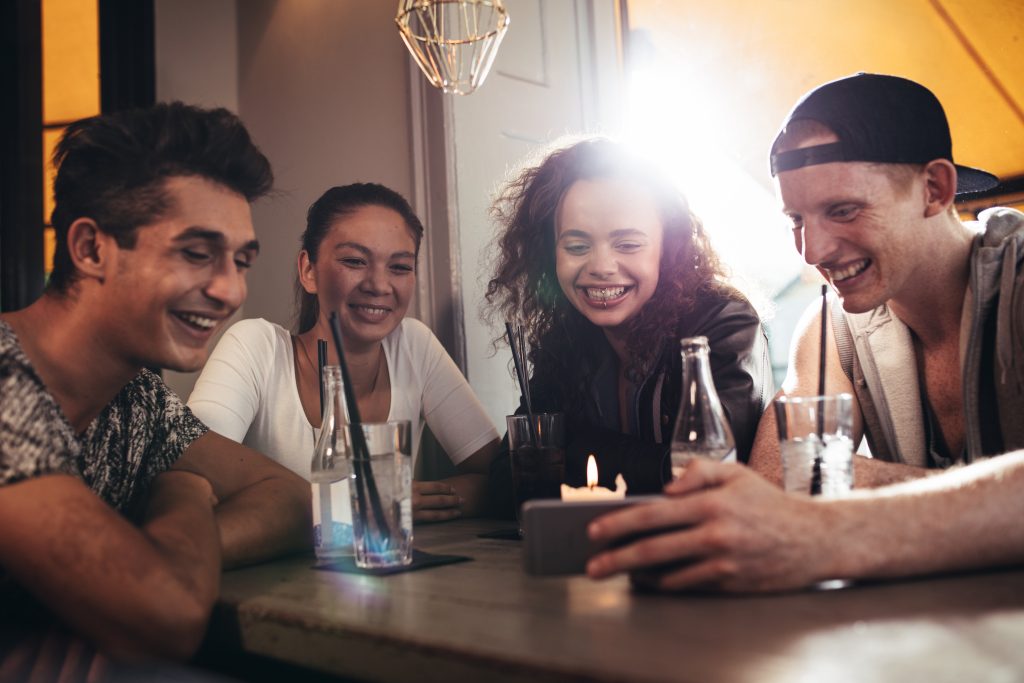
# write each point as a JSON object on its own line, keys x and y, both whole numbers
{"x": 558, "y": 71}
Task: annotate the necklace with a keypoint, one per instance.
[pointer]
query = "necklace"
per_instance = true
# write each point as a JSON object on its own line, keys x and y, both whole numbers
{"x": 376, "y": 373}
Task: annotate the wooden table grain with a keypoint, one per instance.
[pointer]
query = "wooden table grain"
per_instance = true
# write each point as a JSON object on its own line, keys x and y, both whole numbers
{"x": 488, "y": 620}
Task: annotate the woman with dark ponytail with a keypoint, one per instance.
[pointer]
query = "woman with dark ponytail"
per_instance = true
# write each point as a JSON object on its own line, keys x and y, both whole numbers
{"x": 358, "y": 258}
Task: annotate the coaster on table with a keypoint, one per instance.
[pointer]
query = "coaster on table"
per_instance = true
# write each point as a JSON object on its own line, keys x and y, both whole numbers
{"x": 502, "y": 535}
{"x": 420, "y": 560}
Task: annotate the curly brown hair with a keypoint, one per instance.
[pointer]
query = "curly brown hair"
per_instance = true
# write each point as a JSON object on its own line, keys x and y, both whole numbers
{"x": 525, "y": 288}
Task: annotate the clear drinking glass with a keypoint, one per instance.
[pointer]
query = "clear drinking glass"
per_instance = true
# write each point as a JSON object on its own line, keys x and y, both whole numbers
{"x": 381, "y": 494}
{"x": 537, "y": 450}
{"x": 816, "y": 441}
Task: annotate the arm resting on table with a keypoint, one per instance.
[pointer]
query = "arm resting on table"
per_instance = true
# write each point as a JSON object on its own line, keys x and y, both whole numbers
{"x": 264, "y": 508}
{"x": 130, "y": 590}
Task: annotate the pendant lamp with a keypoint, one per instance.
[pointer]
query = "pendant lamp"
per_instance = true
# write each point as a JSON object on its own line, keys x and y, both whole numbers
{"x": 454, "y": 42}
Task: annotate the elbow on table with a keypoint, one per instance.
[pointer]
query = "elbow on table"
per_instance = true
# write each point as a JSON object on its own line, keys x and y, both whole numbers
{"x": 172, "y": 627}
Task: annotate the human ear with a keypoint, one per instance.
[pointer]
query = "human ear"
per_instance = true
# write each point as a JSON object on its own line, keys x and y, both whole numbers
{"x": 89, "y": 248}
{"x": 307, "y": 272}
{"x": 940, "y": 186}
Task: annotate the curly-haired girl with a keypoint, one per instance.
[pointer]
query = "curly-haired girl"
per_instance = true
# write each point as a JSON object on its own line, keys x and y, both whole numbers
{"x": 601, "y": 260}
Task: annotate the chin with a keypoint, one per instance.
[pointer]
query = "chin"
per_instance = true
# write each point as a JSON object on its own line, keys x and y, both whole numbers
{"x": 855, "y": 304}
{"x": 181, "y": 363}
{"x": 608, "y": 322}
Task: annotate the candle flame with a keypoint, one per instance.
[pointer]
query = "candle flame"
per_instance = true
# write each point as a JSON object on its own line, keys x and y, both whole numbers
{"x": 591, "y": 471}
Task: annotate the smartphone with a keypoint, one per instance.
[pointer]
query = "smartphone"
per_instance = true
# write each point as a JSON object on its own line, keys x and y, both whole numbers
{"x": 555, "y": 533}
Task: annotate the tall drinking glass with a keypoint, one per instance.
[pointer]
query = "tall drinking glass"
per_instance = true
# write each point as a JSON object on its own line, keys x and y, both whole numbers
{"x": 816, "y": 441}
{"x": 381, "y": 493}
{"x": 537, "y": 450}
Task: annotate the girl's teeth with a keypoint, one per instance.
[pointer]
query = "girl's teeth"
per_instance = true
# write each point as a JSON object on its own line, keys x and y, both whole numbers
{"x": 605, "y": 293}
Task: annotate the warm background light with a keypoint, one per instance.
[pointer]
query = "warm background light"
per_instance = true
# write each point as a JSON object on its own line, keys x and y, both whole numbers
{"x": 71, "y": 85}
{"x": 710, "y": 83}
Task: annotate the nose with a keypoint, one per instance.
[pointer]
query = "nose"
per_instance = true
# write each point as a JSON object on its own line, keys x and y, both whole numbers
{"x": 227, "y": 286}
{"x": 376, "y": 282}
{"x": 602, "y": 262}
{"x": 815, "y": 243}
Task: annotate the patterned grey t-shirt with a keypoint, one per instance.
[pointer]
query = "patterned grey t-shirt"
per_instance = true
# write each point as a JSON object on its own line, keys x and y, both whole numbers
{"x": 141, "y": 433}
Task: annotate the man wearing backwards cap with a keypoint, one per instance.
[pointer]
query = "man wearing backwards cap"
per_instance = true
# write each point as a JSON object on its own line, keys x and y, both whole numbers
{"x": 933, "y": 313}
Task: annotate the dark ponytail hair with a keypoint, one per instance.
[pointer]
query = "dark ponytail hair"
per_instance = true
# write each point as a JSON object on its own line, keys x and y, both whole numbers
{"x": 336, "y": 203}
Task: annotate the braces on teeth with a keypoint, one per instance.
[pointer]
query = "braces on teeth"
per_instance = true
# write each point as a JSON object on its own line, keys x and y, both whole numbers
{"x": 605, "y": 293}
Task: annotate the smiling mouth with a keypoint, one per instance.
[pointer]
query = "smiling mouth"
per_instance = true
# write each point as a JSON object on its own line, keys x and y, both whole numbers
{"x": 604, "y": 294}
{"x": 838, "y": 275}
{"x": 604, "y": 297}
{"x": 200, "y": 323}
{"x": 370, "y": 311}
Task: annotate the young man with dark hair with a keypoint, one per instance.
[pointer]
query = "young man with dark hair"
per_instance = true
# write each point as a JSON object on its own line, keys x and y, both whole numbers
{"x": 932, "y": 314}
{"x": 118, "y": 508}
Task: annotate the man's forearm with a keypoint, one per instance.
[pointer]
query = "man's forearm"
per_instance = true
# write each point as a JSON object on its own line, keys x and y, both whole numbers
{"x": 180, "y": 524}
{"x": 268, "y": 518}
{"x": 959, "y": 519}
{"x": 869, "y": 473}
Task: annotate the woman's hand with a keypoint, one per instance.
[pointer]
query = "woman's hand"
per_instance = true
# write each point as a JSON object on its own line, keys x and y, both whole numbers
{"x": 435, "y": 501}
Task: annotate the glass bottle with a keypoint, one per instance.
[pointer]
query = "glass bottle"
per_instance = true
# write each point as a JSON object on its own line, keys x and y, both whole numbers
{"x": 701, "y": 428}
{"x": 330, "y": 476}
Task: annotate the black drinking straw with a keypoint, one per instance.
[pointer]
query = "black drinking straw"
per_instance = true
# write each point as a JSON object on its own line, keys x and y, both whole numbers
{"x": 361, "y": 456}
{"x": 517, "y": 344}
{"x": 321, "y": 361}
{"x": 816, "y": 473}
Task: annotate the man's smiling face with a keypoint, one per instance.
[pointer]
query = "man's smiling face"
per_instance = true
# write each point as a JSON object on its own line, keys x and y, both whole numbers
{"x": 184, "y": 277}
{"x": 857, "y": 225}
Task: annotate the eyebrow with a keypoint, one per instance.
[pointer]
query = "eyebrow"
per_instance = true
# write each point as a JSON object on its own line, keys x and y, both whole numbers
{"x": 215, "y": 237}
{"x": 622, "y": 232}
{"x": 823, "y": 205}
{"x": 364, "y": 250}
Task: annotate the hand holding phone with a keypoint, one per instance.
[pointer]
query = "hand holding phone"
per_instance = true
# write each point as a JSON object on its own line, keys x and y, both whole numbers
{"x": 555, "y": 533}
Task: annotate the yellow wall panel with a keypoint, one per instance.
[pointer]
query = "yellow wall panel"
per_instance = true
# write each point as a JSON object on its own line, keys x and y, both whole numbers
{"x": 745, "y": 63}
{"x": 49, "y": 247}
{"x": 50, "y": 138}
{"x": 71, "y": 60}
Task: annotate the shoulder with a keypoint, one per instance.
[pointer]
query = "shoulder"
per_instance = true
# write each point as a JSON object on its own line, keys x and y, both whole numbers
{"x": 35, "y": 438}
{"x": 413, "y": 331}
{"x": 147, "y": 396}
{"x": 720, "y": 310}
{"x": 258, "y": 330}
{"x": 412, "y": 337}
{"x": 255, "y": 337}
{"x": 14, "y": 364}
{"x": 23, "y": 395}
{"x": 999, "y": 223}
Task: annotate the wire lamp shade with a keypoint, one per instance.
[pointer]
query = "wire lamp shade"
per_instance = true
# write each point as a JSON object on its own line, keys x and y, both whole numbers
{"x": 454, "y": 42}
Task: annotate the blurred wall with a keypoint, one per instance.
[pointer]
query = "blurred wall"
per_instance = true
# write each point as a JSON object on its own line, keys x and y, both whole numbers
{"x": 323, "y": 86}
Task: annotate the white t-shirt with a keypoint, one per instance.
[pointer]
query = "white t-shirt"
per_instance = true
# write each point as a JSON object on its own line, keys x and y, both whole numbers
{"x": 248, "y": 393}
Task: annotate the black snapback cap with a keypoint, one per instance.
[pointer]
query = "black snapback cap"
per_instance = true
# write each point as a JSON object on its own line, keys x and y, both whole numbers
{"x": 878, "y": 118}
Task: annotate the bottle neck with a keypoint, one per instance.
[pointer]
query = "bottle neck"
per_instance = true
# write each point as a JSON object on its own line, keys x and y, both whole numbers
{"x": 696, "y": 365}
{"x": 333, "y": 408}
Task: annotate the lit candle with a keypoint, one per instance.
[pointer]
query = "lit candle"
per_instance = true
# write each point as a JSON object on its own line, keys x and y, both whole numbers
{"x": 592, "y": 491}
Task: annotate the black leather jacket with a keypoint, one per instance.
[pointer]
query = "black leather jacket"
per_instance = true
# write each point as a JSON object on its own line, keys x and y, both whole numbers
{"x": 741, "y": 369}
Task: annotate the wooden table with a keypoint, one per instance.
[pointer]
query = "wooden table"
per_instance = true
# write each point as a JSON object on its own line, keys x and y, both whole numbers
{"x": 488, "y": 620}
